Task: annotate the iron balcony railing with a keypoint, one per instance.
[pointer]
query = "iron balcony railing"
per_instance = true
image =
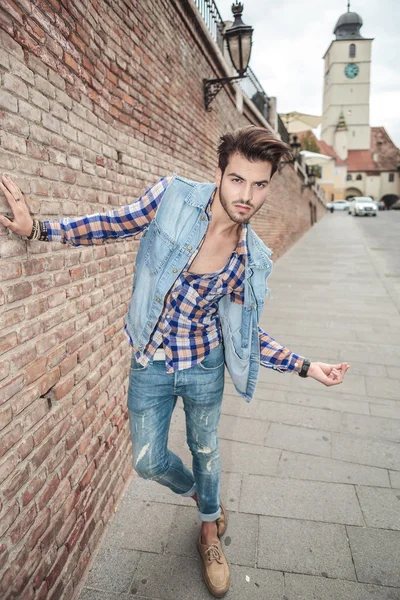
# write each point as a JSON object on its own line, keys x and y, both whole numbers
{"x": 213, "y": 20}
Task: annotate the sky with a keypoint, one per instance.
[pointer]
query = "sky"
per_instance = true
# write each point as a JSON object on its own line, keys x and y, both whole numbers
{"x": 291, "y": 36}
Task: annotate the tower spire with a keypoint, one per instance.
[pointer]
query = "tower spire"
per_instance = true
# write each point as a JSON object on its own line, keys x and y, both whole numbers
{"x": 348, "y": 6}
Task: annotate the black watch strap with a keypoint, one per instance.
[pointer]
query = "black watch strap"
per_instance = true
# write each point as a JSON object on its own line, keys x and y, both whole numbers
{"x": 304, "y": 368}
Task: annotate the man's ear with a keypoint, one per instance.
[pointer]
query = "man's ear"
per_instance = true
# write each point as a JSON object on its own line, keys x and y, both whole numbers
{"x": 218, "y": 176}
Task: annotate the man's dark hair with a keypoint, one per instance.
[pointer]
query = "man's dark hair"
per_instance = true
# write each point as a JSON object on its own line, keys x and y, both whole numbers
{"x": 254, "y": 144}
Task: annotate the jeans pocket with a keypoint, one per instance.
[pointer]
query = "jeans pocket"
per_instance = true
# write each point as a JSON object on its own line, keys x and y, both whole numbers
{"x": 136, "y": 366}
{"x": 214, "y": 360}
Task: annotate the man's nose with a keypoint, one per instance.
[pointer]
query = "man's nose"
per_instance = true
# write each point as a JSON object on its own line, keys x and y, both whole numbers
{"x": 248, "y": 194}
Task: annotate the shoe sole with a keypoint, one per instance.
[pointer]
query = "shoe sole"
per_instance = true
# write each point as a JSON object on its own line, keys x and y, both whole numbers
{"x": 208, "y": 583}
{"x": 226, "y": 520}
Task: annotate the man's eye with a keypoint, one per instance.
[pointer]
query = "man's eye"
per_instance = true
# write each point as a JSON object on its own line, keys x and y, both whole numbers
{"x": 235, "y": 180}
{"x": 260, "y": 185}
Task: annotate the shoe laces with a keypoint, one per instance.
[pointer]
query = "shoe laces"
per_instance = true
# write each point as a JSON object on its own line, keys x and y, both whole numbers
{"x": 213, "y": 553}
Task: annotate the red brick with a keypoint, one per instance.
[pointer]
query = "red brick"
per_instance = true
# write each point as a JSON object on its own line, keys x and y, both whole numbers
{"x": 58, "y": 566}
{"x": 62, "y": 388}
{"x": 11, "y": 388}
{"x": 35, "y": 370}
{"x": 49, "y": 380}
{"x": 25, "y": 521}
{"x": 48, "y": 491}
{"x": 18, "y": 291}
{"x": 35, "y": 484}
{"x": 84, "y": 482}
{"x": 8, "y": 517}
{"x": 19, "y": 477}
{"x": 5, "y": 419}
{"x": 24, "y": 357}
{"x": 7, "y": 342}
{"x": 75, "y": 534}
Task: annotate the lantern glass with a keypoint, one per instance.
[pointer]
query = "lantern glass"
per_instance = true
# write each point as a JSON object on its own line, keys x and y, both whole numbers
{"x": 239, "y": 46}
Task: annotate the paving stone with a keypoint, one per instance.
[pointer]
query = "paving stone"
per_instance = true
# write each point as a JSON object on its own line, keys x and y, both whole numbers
{"x": 376, "y": 555}
{"x": 301, "y": 466}
{"x": 316, "y": 501}
{"x": 380, "y": 507}
{"x": 366, "y": 451}
{"x": 141, "y": 525}
{"x": 329, "y": 402}
{"x": 113, "y": 570}
{"x": 306, "y": 587}
{"x": 168, "y": 578}
{"x": 248, "y": 458}
{"x": 299, "y": 439}
{"x": 290, "y": 414}
{"x": 384, "y": 387}
{"x": 242, "y": 430}
{"x": 374, "y": 427}
{"x": 393, "y": 372}
{"x": 386, "y": 410}
{"x": 305, "y": 547}
{"x": 90, "y": 594}
{"x": 395, "y": 479}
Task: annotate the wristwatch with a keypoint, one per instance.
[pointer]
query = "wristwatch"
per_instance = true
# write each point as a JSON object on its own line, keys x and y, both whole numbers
{"x": 304, "y": 368}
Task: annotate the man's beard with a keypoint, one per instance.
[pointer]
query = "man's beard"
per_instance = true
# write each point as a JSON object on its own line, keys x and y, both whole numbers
{"x": 227, "y": 208}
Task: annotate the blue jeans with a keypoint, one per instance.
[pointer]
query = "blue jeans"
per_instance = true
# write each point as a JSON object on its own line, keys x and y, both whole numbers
{"x": 152, "y": 397}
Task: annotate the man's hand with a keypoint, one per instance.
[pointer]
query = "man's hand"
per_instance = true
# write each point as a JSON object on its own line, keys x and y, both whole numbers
{"x": 22, "y": 222}
{"x": 328, "y": 374}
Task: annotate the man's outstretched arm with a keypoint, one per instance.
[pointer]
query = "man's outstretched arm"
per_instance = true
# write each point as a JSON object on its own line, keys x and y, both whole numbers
{"x": 124, "y": 221}
{"x": 275, "y": 356}
{"x": 280, "y": 358}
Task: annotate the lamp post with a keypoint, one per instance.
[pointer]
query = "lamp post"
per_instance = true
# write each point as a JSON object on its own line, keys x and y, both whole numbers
{"x": 296, "y": 147}
{"x": 239, "y": 40}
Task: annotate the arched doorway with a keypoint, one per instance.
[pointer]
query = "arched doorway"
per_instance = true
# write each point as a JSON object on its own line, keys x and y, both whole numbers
{"x": 389, "y": 199}
{"x": 352, "y": 191}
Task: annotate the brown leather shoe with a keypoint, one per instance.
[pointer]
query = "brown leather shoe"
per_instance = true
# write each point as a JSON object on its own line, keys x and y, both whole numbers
{"x": 222, "y": 522}
{"x": 216, "y": 569}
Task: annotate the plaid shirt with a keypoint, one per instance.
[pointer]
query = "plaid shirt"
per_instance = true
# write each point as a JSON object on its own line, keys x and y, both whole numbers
{"x": 188, "y": 327}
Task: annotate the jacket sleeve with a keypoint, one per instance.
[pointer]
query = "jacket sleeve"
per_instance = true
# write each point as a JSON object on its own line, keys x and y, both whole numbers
{"x": 275, "y": 356}
{"x": 125, "y": 221}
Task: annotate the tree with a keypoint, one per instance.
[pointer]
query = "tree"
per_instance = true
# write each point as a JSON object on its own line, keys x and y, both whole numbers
{"x": 308, "y": 142}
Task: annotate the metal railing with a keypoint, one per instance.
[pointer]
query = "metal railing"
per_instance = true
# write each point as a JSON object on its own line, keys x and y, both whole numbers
{"x": 255, "y": 92}
{"x": 283, "y": 132}
{"x": 213, "y": 20}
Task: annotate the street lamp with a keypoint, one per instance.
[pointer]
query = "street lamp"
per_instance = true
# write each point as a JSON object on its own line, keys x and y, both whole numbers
{"x": 311, "y": 177}
{"x": 239, "y": 40}
{"x": 296, "y": 147}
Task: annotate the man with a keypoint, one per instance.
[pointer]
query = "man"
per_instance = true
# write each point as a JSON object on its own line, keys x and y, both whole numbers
{"x": 197, "y": 298}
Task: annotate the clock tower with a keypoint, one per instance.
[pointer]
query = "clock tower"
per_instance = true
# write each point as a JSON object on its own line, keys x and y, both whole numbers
{"x": 347, "y": 85}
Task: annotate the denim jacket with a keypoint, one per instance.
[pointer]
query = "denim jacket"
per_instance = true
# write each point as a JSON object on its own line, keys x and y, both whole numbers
{"x": 165, "y": 248}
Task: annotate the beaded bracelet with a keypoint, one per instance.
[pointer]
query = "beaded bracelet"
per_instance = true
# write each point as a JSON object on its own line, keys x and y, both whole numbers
{"x": 39, "y": 231}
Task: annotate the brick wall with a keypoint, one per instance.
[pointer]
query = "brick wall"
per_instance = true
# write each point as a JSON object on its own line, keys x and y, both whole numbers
{"x": 97, "y": 100}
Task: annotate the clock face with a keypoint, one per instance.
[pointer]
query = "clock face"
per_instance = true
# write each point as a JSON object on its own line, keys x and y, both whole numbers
{"x": 351, "y": 70}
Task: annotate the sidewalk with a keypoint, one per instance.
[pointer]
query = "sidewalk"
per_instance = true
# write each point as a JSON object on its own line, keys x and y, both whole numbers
{"x": 311, "y": 475}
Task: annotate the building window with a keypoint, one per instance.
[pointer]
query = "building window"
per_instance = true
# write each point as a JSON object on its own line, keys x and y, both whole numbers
{"x": 349, "y": 177}
{"x": 391, "y": 177}
{"x": 359, "y": 177}
{"x": 352, "y": 51}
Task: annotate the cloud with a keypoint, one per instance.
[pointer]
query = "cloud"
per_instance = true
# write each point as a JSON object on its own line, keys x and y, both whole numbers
{"x": 291, "y": 37}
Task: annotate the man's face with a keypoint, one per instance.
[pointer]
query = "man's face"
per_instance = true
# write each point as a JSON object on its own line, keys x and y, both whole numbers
{"x": 243, "y": 187}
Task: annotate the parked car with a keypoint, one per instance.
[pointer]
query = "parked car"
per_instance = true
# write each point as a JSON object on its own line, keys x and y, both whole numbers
{"x": 337, "y": 205}
{"x": 363, "y": 206}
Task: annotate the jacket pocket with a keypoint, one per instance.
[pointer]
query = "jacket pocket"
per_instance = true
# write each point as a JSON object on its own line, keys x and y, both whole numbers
{"x": 159, "y": 248}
